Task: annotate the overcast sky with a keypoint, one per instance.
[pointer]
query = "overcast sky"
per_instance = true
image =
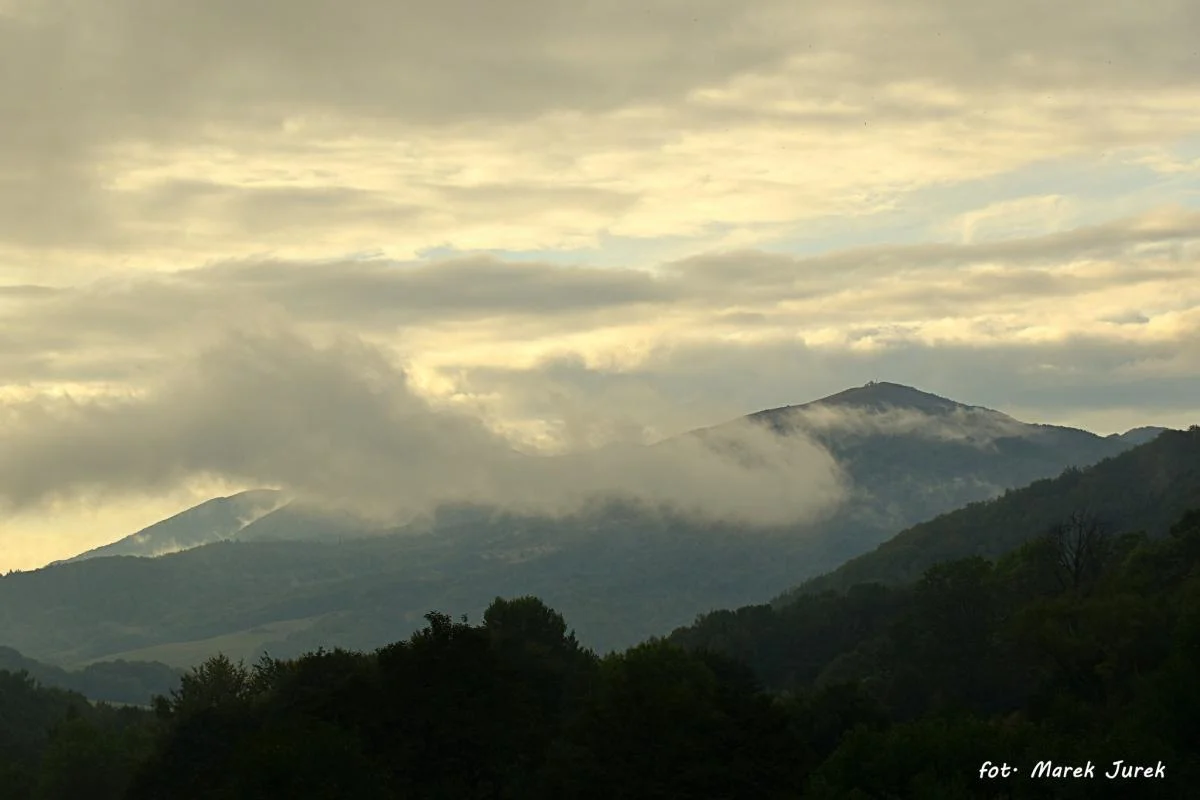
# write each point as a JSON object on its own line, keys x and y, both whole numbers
{"x": 550, "y": 225}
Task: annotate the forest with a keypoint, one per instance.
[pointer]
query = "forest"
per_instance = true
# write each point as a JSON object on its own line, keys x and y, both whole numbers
{"x": 982, "y": 679}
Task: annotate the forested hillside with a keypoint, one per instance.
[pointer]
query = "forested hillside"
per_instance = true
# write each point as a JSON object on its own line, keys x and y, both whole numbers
{"x": 1144, "y": 489}
{"x": 55, "y": 744}
{"x": 131, "y": 682}
{"x": 1079, "y": 648}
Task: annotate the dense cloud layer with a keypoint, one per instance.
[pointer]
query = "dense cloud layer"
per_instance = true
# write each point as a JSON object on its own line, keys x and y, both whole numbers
{"x": 1147, "y": 259}
{"x": 168, "y": 127}
{"x": 341, "y": 425}
{"x": 1064, "y": 320}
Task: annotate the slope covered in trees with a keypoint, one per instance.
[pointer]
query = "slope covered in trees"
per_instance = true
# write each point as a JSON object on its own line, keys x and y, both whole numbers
{"x": 129, "y": 682}
{"x": 55, "y": 744}
{"x": 1143, "y": 489}
{"x": 1079, "y": 648}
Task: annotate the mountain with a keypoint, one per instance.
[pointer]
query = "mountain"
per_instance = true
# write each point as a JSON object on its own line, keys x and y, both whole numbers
{"x": 1143, "y": 489}
{"x": 128, "y": 682}
{"x": 295, "y": 578}
{"x": 861, "y": 616}
{"x": 911, "y": 455}
{"x": 880, "y": 396}
{"x": 298, "y": 521}
{"x": 211, "y": 521}
{"x": 1140, "y": 435}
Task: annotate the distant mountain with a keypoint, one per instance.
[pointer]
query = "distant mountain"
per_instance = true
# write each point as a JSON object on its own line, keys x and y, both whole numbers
{"x": 129, "y": 682}
{"x": 1143, "y": 489}
{"x": 301, "y": 522}
{"x": 853, "y": 620}
{"x": 911, "y": 455}
{"x": 292, "y": 578}
{"x": 880, "y": 396}
{"x": 1138, "y": 436}
{"x": 211, "y": 521}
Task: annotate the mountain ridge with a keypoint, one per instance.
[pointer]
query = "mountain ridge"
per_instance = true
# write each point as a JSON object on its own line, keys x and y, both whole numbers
{"x": 204, "y": 523}
{"x": 621, "y": 570}
{"x": 1168, "y": 466}
{"x": 267, "y": 514}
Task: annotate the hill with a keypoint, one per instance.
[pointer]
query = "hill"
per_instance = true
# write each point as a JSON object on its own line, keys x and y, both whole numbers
{"x": 908, "y": 455}
{"x": 932, "y": 690}
{"x": 211, "y": 521}
{"x": 829, "y": 628}
{"x": 297, "y": 521}
{"x": 294, "y": 578}
{"x": 1143, "y": 489}
{"x": 126, "y": 682}
{"x": 913, "y": 455}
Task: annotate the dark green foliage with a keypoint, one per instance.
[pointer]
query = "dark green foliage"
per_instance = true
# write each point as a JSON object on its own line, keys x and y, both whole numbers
{"x": 55, "y": 744}
{"x": 1020, "y": 661}
{"x": 900, "y": 692}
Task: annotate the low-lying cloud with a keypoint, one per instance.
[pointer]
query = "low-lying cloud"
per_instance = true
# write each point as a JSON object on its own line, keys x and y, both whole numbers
{"x": 341, "y": 424}
{"x": 977, "y": 426}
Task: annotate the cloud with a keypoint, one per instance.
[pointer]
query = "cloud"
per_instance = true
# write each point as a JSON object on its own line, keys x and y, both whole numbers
{"x": 341, "y": 424}
{"x": 452, "y": 60}
{"x": 466, "y": 362}
{"x": 977, "y": 426}
{"x": 639, "y": 119}
{"x": 506, "y": 335}
{"x": 1109, "y": 240}
{"x": 169, "y": 168}
{"x": 1012, "y": 218}
{"x": 1145, "y": 259}
{"x": 1102, "y": 382}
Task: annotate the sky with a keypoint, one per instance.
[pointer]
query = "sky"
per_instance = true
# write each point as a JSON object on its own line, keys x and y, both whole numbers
{"x": 394, "y": 241}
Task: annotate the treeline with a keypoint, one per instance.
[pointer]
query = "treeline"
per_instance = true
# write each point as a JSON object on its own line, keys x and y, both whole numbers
{"x": 511, "y": 708}
{"x": 1083, "y": 646}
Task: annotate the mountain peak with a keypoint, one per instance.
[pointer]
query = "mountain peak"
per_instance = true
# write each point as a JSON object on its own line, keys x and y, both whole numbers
{"x": 882, "y": 394}
{"x": 876, "y": 396}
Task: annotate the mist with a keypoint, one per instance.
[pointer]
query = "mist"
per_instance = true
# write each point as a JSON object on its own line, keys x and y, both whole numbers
{"x": 976, "y": 426}
{"x": 341, "y": 425}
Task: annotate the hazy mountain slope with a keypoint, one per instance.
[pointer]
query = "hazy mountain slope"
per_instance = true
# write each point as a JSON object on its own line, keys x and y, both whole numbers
{"x": 620, "y": 574}
{"x": 299, "y": 522}
{"x": 1140, "y": 435}
{"x": 623, "y": 576}
{"x": 109, "y": 681}
{"x": 858, "y": 620}
{"x": 211, "y": 521}
{"x": 911, "y": 455}
{"x": 1146, "y": 488}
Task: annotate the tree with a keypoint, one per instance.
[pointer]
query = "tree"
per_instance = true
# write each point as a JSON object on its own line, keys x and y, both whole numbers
{"x": 215, "y": 683}
{"x": 529, "y": 621}
{"x": 84, "y": 761}
{"x": 1082, "y": 547}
